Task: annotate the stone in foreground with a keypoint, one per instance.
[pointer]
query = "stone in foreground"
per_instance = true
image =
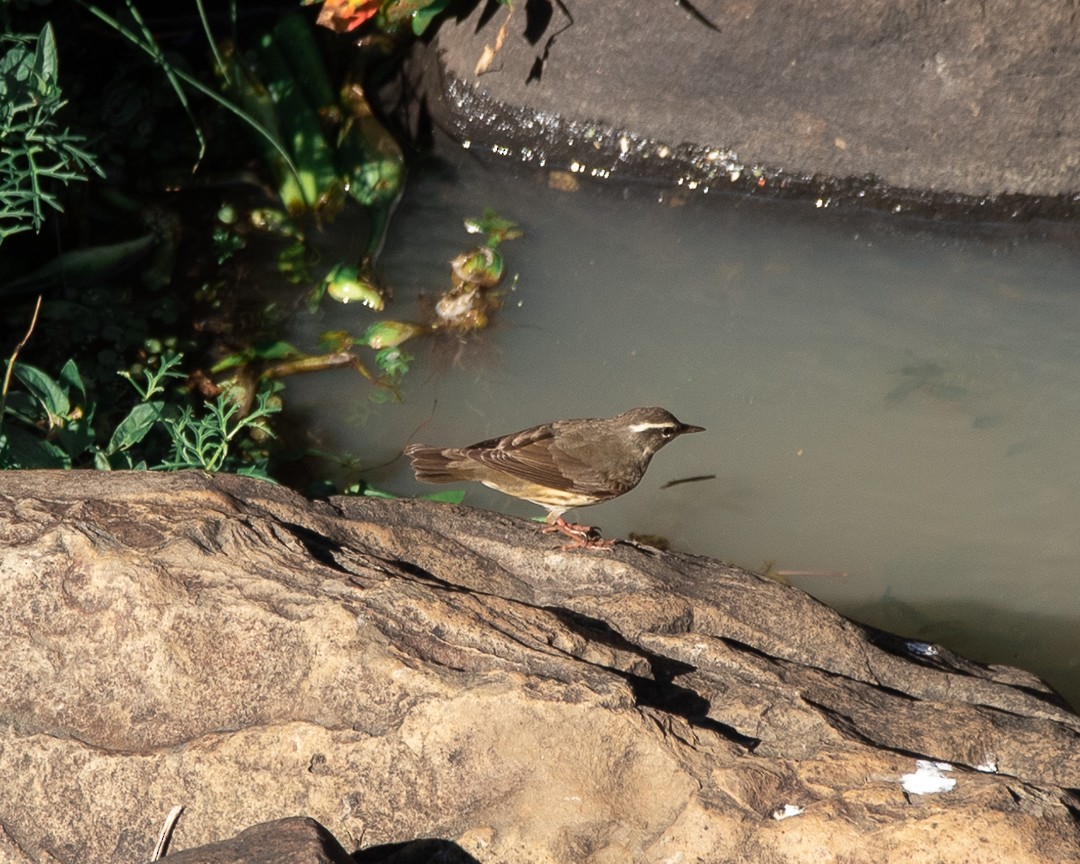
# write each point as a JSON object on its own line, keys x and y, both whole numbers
{"x": 402, "y": 670}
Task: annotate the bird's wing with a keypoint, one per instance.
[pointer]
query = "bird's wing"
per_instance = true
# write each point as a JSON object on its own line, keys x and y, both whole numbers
{"x": 532, "y": 456}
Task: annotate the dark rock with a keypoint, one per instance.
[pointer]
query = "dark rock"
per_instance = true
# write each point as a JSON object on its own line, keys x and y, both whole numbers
{"x": 941, "y": 109}
{"x": 287, "y": 841}
{"x": 416, "y": 852}
{"x": 298, "y": 840}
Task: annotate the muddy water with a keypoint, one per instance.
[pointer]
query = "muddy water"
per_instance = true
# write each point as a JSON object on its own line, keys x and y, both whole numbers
{"x": 893, "y": 408}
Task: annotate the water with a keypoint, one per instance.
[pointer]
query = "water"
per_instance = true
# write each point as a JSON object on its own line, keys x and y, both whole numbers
{"x": 893, "y": 405}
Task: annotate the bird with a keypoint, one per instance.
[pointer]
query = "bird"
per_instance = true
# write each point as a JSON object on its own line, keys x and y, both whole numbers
{"x": 559, "y": 465}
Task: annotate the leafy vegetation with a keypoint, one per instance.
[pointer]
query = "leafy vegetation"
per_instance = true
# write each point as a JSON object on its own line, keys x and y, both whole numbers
{"x": 37, "y": 155}
{"x": 150, "y": 287}
{"x": 52, "y": 423}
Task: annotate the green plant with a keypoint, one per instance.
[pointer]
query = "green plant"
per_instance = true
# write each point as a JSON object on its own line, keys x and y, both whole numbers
{"x": 134, "y": 428}
{"x": 141, "y": 37}
{"x": 394, "y": 362}
{"x": 208, "y": 442}
{"x": 41, "y": 426}
{"x": 36, "y": 154}
{"x": 50, "y": 423}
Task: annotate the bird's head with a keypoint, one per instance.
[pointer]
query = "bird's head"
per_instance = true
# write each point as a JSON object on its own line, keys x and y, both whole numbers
{"x": 652, "y": 428}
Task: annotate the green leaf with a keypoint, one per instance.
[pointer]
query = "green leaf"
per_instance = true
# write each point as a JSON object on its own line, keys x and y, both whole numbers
{"x": 276, "y": 350}
{"x": 71, "y": 379}
{"x": 47, "y": 391}
{"x": 26, "y": 450}
{"x": 393, "y": 361}
{"x": 258, "y": 471}
{"x": 133, "y": 428}
{"x": 75, "y": 438}
{"x": 448, "y": 496}
{"x": 372, "y": 492}
{"x": 23, "y": 407}
{"x": 423, "y": 17}
{"x": 231, "y": 362}
{"x": 46, "y": 63}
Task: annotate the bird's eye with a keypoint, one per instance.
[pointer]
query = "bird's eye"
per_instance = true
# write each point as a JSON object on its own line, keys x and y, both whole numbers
{"x": 668, "y": 432}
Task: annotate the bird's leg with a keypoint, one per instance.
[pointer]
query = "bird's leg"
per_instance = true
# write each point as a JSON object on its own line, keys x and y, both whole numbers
{"x": 584, "y": 536}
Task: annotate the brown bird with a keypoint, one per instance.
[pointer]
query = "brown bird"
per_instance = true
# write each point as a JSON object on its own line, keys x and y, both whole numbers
{"x": 560, "y": 465}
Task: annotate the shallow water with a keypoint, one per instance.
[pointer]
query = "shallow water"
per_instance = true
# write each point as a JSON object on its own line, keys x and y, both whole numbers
{"x": 895, "y": 405}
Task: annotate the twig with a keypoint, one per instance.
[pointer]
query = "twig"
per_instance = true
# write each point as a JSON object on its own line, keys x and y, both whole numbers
{"x": 682, "y": 480}
{"x": 15, "y": 354}
{"x": 166, "y": 832}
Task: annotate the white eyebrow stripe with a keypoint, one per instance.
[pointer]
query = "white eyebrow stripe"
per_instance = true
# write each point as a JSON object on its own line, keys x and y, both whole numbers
{"x": 641, "y": 427}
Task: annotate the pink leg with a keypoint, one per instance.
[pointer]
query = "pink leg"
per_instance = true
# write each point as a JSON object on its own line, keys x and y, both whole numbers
{"x": 584, "y": 536}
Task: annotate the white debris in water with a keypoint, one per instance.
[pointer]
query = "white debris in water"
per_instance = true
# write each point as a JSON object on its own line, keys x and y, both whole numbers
{"x": 929, "y": 778}
{"x": 922, "y": 649}
{"x": 787, "y": 811}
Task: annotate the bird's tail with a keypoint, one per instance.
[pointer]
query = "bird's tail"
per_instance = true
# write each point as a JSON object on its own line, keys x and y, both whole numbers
{"x": 437, "y": 465}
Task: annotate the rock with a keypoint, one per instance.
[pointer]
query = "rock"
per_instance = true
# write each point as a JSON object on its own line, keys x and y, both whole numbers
{"x": 404, "y": 670}
{"x": 295, "y": 841}
{"x": 305, "y": 841}
{"x": 945, "y": 108}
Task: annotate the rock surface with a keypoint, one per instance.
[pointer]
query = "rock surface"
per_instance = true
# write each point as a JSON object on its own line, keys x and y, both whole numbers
{"x": 962, "y": 106}
{"x": 402, "y": 669}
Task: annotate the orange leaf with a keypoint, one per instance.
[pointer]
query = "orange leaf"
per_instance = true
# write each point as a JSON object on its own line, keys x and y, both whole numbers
{"x": 341, "y": 16}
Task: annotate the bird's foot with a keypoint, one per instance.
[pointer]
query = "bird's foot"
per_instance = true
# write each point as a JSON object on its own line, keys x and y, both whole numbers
{"x": 584, "y": 536}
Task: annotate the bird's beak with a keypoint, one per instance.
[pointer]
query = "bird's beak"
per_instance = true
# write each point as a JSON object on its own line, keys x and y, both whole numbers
{"x": 684, "y": 428}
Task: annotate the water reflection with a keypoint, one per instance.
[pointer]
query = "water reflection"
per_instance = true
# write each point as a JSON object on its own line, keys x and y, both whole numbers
{"x": 897, "y": 402}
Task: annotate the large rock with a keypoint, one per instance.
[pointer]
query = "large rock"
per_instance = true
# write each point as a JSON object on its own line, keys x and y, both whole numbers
{"x": 945, "y": 107}
{"x": 402, "y": 669}
{"x": 295, "y": 840}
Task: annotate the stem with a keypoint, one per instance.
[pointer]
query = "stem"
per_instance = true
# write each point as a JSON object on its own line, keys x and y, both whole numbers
{"x": 173, "y": 74}
{"x": 14, "y": 355}
{"x": 218, "y": 62}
